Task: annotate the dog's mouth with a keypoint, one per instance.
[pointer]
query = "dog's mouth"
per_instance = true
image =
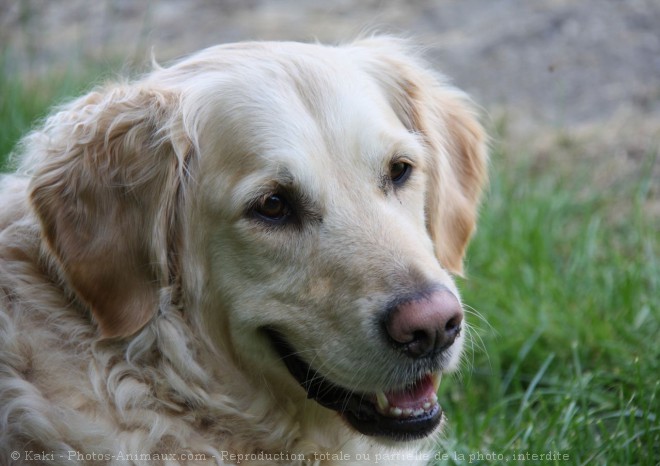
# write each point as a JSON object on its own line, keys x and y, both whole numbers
{"x": 406, "y": 414}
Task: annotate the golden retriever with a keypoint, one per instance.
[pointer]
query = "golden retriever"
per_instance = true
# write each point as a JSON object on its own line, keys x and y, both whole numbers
{"x": 243, "y": 258}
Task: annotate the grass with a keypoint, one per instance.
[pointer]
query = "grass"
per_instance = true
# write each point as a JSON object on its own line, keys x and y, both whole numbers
{"x": 564, "y": 354}
{"x": 24, "y": 101}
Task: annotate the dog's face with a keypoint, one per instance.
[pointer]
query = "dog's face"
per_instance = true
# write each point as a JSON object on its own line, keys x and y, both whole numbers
{"x": 331, "y": 193}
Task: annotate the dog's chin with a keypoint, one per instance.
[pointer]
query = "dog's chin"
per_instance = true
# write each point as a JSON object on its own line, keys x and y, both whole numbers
{"x": 405, "y": 414}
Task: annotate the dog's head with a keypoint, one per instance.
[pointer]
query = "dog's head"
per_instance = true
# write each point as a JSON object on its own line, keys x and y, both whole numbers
{"x": 310, "y": 202}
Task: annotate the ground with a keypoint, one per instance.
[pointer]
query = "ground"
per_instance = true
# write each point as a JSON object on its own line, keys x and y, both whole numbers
{"x": 585, "y": 73}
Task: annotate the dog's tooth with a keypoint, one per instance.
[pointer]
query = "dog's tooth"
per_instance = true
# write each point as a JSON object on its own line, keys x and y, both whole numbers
{"x": 427, "y": 405}
{"x": 396, "y": 412}
{"x": 418, "y": 412}
{"x": 383, "y": 404}
{"x": 407, "y": 412}
{"x": 434, "y": 398}
{"x": 437, "y": 377}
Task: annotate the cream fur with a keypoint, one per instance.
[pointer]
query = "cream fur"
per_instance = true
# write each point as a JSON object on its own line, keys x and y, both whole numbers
{"x": 133, "y": 283}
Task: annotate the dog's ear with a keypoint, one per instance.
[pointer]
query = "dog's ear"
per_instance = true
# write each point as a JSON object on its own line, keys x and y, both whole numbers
{"x": 451, "y": 129}
{"x": 103, "y": 192}
{"x": 445, "y": 119}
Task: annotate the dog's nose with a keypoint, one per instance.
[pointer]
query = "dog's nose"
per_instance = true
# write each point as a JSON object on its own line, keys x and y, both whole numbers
{"x": 427, "y": 325}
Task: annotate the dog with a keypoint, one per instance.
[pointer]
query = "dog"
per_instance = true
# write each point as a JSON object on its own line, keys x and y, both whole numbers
{"x": 246, "y": 257}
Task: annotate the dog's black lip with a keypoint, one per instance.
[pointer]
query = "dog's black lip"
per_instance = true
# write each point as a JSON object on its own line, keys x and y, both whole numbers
{"x": 355, "y": 408}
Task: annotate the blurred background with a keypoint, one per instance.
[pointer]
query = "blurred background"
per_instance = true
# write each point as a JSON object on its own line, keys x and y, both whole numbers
{"x": 574, "y": 66}
{"x": 563, "y": 274}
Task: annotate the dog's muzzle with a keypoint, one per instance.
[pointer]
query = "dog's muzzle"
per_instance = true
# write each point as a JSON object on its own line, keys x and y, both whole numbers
{"x": 407, "y": 413}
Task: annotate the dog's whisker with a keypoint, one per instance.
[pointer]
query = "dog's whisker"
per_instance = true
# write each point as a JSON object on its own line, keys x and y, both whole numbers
{"x": 473, "y": 312}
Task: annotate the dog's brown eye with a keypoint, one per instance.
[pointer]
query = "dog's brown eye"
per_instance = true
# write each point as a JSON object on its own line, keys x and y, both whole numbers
{"x": 399, "y": 172}
{"x": 273, "y": 208}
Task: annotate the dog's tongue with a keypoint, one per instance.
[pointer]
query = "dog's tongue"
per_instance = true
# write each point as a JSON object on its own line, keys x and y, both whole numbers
{"x": 414, "y": 396}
